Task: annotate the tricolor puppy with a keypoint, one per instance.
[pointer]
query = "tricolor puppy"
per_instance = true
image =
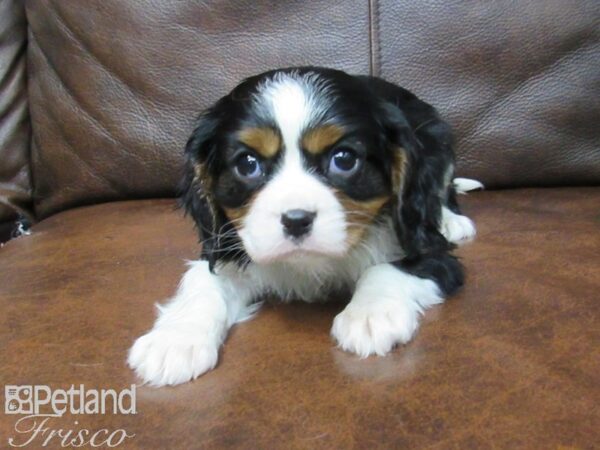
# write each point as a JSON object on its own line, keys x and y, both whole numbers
{"x": 303, "y": 182}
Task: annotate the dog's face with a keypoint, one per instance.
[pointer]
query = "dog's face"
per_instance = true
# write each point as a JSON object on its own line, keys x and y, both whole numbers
{"x": 292, "y": 163}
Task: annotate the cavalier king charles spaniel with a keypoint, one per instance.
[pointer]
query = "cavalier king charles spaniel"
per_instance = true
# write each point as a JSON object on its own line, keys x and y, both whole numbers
{"x": 304, "y": 182}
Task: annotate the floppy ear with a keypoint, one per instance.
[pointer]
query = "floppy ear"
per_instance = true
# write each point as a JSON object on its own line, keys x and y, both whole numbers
{"x": 196, "y": 189}
{"x": 418, "y": 179}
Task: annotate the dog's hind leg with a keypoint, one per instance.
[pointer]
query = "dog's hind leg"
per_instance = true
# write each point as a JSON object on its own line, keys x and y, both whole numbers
{"x": 456, "y": 227}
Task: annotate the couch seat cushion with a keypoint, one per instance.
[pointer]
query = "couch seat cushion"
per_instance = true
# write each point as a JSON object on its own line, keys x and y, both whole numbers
{"x": 512, "y": 361}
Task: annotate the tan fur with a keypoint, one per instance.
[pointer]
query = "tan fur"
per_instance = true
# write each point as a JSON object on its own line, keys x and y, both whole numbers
{"x": 264, "y": 141}
{"x": 204, "y": 183}
{"x": 398, "y": 170}
{"x": 235, "y": 215}
{"x": 319, "y": 139}
{"x": 360, "y": 215}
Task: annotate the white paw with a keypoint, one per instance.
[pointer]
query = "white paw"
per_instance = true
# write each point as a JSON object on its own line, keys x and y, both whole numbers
{"x": 169, "y": 356}
{"x": 374, "y": 327}
{"x": 456, "y": 228}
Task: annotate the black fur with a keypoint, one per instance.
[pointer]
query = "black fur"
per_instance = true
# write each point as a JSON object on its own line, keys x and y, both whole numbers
{"x": 443, "y": 268}
{"x": 427, "y": 141}
{"x": 197, "y": 198}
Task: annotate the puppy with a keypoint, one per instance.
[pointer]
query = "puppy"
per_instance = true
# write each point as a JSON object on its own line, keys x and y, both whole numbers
{"x": 303, "y": 182}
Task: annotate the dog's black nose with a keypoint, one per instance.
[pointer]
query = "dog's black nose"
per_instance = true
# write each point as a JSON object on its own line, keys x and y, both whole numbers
{"x": 297, "y": 222}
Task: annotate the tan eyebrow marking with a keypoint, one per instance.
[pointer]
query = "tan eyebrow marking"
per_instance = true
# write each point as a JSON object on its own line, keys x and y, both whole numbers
{"x": 265, "y": 141}
{"x": 317, "y": 140}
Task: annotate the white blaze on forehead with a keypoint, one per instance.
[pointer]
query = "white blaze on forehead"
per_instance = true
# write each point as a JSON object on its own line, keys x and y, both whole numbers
{"x": 294, "y": 102}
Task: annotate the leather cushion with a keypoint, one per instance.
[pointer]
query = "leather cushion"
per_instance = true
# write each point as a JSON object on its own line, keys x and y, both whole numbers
{"x": 512, "y": 361}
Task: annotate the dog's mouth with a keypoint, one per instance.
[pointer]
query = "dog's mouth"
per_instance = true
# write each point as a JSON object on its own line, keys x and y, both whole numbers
{"x": 296, "y": 252}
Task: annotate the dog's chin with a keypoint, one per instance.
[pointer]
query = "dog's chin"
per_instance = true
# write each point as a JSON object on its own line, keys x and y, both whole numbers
{"x": 295, "y": 254}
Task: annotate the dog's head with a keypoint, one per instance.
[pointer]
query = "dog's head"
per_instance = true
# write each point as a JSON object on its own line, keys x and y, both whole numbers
{"x": 294, "y": 162}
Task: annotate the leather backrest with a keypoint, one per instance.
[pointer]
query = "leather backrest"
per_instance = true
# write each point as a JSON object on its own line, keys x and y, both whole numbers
{"x": 15, "y": 191}
{"x": 519, "y": 82}
{"x": 115, "y": 86}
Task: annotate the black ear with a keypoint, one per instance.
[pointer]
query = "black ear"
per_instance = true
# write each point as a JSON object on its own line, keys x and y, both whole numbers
{"x": 196, "y": 189}
{"x": 419, "y": 166}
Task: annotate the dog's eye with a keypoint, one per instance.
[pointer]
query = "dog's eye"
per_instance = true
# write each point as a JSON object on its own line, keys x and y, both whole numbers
{"x": 248, "y": 166}
{"x": 343, "y": 162}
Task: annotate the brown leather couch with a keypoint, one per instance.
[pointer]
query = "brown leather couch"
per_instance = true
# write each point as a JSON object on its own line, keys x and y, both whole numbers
{"x": 96, "y": 101}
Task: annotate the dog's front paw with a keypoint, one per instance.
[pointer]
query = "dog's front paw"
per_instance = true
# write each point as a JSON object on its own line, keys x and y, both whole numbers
{"x": 368, "y": 328}
{"x": 168, "y": 356}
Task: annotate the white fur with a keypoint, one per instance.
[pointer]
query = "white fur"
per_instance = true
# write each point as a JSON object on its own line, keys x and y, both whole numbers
{"x": 384, "y": 310}
{"x": 310, "y": 277}
{"x": 186, "y": 337}
{"x": 457, "y": 228}
{"x": 292, "y": 188}
{"x": 294, "y": 102}
{"x": 464, "y": 185}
